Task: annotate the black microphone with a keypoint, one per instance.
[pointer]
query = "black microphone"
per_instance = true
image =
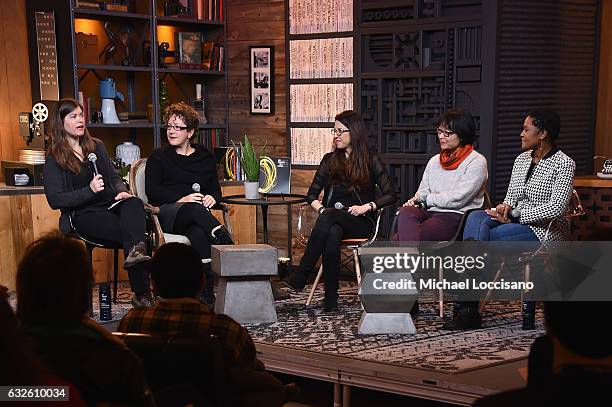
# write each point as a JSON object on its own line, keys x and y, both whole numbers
{"x": 93, "y": 158}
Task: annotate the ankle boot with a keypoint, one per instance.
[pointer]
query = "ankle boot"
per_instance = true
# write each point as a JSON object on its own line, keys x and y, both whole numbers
{"x": 296, "y": 279}
{"x": 221, "y": 236}
{"x": 466, "y": 317}
{"x": 330, "y": 302}
{"x": 528, "y": 311}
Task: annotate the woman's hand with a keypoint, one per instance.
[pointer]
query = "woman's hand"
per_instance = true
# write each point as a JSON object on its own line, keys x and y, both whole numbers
{"x": 208, "y": 201}
{"x": 123, "y": 195}
{"x": 412, "y": 200}
{"x": 500, "y": 213}
{"x": 358, "y": 210}
{"x": 97, "y": 184}
{"x": 195, "y": 197}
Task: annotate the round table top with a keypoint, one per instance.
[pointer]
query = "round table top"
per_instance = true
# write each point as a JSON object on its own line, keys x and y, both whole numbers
{"x": 266, "y": 199}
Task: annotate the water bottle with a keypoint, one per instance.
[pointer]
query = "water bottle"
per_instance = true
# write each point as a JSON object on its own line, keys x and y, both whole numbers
{"x": 106, "y": 311}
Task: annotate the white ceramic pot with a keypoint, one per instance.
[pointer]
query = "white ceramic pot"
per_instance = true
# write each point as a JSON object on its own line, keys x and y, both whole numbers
{"x": 128, "y": 152}
{"x": 251, "y": 190}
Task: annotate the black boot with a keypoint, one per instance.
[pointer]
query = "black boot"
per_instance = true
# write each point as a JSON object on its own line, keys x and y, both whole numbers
{"x": 221, "y": 236}
{"x": 330, "y": 302}
{"x": 466, "y": 316}
{"x": 296, "y": 279}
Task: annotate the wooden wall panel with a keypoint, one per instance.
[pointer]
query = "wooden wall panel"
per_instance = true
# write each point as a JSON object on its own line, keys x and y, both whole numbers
{"x": 15, "y": 94}
{"x": 603, "y": 139}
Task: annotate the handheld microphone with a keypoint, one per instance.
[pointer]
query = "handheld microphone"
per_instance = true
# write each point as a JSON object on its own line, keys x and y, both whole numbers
{"x": 338, "y": 205}
{"x": 196, "y": 187}
{"x": 515, "y": 213}
{"x": 93, "y": 158}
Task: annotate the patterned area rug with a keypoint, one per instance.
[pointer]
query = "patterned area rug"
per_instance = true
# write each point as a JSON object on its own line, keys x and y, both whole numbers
{"x": 500, "y": 340}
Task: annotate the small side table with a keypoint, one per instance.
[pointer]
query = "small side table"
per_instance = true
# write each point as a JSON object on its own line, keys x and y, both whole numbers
{"x": 265, "y": 202}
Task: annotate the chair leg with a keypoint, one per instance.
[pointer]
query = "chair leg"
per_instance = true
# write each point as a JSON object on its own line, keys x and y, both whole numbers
{"x": 357, "y": 266}
{"x": 116, "y": 273}
{"x": 488, "y": 294}
{"x": 440, "y": 292}
{"x": 90, "y": 253}
{"x": 314, "y": 285}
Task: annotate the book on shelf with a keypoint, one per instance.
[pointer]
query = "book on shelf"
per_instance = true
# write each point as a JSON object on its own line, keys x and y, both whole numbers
{"x": 189, "y": 47}
{"x": 207, "y": 50}
{"x": 115, "y": 7}
{"x": 90, "y": 5}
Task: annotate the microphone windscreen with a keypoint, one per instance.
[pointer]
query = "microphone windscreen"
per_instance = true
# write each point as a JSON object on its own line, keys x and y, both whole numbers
{"x": 92, "y": 157}
{"x": 338, "y": 205}
{"x": 195, "y": 187}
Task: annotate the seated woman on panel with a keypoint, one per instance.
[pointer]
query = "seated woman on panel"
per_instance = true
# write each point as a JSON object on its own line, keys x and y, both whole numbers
{"x": 181, "y": 178}
{"x": 349, "y": 176}
{"x": 454, "y": 182}
{"x": 540, "y": 188}
{"x": 84, "y": 192}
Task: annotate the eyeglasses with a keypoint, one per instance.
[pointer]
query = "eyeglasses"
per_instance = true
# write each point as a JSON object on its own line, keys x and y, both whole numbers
{"x": 175, "y": 127}
{"x": 445, "y": 133}
{"x": 338, "y": 132}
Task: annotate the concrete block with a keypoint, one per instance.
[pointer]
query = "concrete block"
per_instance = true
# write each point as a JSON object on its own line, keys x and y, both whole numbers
{"x": 386, "y": 323}
{"x": 244, "y": 260}
{"x": 247, "y": 301}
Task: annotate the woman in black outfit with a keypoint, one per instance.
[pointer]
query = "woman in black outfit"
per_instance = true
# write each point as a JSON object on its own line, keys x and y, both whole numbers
{"x": 349, "y": 176}
{"x": 172, "y": 173}
{"x": 84, "y": 194}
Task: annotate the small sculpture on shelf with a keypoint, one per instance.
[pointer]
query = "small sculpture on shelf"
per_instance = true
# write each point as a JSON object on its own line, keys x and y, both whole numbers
{"x": 164, "y": 52}
{"x": 164, "y": 99}
{"x": 118, "y": 51}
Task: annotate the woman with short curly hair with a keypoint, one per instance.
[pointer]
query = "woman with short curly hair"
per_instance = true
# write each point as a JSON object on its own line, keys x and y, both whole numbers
{"x": 171, "y": 173}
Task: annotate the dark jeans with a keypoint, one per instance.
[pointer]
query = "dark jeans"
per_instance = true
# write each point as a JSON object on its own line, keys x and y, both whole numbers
{"x": 416, "y": 224}
{"x": 124, "y": 224}
{"x": 331, "y": 227}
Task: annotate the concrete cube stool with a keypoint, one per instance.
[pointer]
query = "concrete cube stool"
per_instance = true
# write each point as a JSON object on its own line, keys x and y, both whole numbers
{"x": 244, "y": 291}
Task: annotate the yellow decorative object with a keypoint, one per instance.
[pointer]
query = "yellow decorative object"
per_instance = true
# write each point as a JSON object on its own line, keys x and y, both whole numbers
{"x": 269, "y": 169}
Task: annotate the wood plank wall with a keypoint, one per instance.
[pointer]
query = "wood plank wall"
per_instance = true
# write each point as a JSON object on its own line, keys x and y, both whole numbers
{"x": 603, "y": 137}
{"x": 261, "y": 22}
{"x": 15, "y": 94}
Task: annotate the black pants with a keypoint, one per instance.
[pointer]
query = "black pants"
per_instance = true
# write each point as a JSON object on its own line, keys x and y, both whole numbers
{"x": 331, "y": 227}
{"x": 124, "y": 224}
{"x": 195, "y": 222}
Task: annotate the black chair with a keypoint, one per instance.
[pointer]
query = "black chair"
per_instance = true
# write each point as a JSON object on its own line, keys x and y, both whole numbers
{"x": 191, "y": 369}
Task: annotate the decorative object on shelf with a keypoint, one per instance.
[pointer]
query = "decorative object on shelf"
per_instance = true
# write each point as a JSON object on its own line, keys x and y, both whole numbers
{"x": 199, "y": 105}
{"x": 121, "y": 46}
{"x": 249, "y": 161}
{"x": 189, "y": 47}
{"x": 128, "y": 152}
{"x": 108, "y": 93}
{"x": 163, "y": 52}
{"x": 87, "y": 48}
{"x": 176, "y": 8}
{"x": 262, "y": 79}
{"x": 164, "y": 99}
{"x": 47, "y": 55}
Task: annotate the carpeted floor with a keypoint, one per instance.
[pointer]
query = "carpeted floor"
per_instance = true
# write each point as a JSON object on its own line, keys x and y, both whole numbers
{"x": 500, "y": 340}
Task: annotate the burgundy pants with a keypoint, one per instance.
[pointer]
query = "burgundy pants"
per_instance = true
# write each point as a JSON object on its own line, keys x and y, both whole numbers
{"x": 416, "y": 225}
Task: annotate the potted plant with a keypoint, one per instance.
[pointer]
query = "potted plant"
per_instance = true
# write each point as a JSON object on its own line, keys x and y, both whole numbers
{"x": 249, "y": 161}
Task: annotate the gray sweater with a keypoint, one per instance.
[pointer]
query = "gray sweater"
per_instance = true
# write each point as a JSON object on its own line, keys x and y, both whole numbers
{"x": 455, "y": 190}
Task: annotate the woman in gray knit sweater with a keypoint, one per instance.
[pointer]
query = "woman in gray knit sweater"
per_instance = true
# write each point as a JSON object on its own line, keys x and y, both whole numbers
{"x": 453, "y": 182}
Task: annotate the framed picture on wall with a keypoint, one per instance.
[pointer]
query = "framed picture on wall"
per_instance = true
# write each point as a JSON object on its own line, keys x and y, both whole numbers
{"x": 262, "y": 79}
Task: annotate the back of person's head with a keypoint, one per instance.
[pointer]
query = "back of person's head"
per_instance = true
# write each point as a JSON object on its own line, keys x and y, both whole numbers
{"x": 461, "y": 122}
{"x": 176, "y": 270}
{"x": 546, "y": 120}
{"x": 54, "y": 280}
{"x": 577, "y": 326}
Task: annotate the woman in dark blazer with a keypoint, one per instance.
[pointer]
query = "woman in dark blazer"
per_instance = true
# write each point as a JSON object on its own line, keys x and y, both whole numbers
{"x": 181, "y": 178}
{"x": 348, "y": 176}
{"x": 84, "y": 193}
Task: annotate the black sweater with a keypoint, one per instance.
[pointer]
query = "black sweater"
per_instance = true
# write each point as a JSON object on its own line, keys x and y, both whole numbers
{"x": 169, "y": 176}
{"x": 351, "y": 195}
{"x": 61, "y": 193}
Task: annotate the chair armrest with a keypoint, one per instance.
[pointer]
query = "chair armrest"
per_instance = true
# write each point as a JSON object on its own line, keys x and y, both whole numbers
{"x": 301, "y": 232}
{"x": 379, "y": 214}
{"x": 152, "y": 211}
